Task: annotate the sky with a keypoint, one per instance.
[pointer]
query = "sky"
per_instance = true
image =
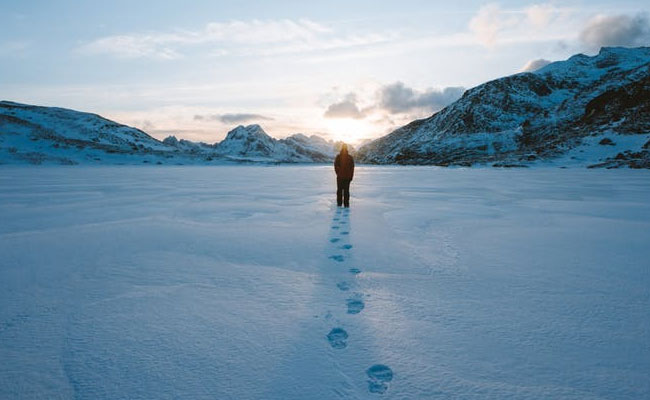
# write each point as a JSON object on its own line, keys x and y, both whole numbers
{"x": 345, "y": 70}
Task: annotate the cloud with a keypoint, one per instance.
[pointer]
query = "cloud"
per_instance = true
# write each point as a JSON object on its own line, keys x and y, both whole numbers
{"x": 392, "y": 99}
{"x": 265, "y": 37}
{"x": 397, "y": 98}
{"x": 256, "y": 31}
{"x": 234, "y": 118}
{"x": 534, "y": 65}
{"x": 145, "y": 125}
{"x": 347, "y": 108}
{"x": 493, "y": 25}
{"x": 124, "y": 46}
{"x": 540, "y": 15}
{"x": 487, "y": 24}
{"x": 616, "y": 30}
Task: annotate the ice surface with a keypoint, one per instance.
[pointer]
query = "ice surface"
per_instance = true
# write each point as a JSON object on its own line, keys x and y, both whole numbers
{"x": 217, "y": 282}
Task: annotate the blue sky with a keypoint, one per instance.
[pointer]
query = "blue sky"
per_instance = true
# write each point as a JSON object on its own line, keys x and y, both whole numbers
{"x": 345, "y": 69}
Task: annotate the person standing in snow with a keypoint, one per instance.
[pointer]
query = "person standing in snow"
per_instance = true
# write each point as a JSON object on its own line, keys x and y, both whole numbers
{"x": 344, "y": 167}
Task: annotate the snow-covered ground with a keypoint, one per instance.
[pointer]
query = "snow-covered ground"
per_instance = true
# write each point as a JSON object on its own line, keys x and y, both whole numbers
{"x": 246, "y": 282}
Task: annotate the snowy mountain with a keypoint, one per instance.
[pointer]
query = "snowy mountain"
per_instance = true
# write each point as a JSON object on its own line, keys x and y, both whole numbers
{"x": 188, "y": 145}
{"x": 252, "y": 143}
{"x": 36, "y": 135}
{"x": 32, "y": 134}
{"x": 585, "y": 110}
{"x": 248, "y": 142}
{"x": 312, "y": 146}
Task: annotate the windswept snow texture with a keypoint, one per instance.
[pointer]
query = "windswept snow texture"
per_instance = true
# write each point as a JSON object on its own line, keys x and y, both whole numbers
{"x": 217, "y": 283}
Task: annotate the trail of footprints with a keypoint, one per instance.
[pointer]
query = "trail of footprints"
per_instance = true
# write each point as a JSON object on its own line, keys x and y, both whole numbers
{"x": 379, "y": 375}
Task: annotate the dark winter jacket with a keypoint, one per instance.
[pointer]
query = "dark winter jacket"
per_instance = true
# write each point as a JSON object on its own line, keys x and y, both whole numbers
{"x": 344, "y": 165}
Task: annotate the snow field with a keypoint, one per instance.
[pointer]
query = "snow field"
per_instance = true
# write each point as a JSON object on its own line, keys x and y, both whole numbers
{"x": 247, "y": 282}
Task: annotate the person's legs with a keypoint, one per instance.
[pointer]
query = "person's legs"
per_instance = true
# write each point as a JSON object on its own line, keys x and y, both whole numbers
{"x": 346, "y": 193}
{"x": 339, "y": 192}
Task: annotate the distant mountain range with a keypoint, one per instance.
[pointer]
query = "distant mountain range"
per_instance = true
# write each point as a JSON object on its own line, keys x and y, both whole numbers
{"x": 592, "y": 111}
{"x": 37, "y": 135}
{"x": 587, "y": 111}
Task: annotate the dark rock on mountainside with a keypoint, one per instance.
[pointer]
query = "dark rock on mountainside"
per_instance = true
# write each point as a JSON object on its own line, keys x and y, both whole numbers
{"x": 533, "y": 117}
{"x": 253, "y": 143}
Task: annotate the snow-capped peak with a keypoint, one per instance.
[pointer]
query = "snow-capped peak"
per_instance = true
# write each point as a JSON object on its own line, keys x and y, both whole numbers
{"x": 532, "y": 115}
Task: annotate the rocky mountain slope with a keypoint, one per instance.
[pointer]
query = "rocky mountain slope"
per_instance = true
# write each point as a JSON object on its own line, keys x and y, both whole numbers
{"x": 252, "y": 143}
{"x": 585, "y": 110}
{"x": 37, "y": 135}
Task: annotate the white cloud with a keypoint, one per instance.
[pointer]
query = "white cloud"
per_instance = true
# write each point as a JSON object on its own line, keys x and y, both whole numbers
{"x": 540, "y": 15}
{"x": 232, "y": 118}
{"x": 487, "y": 24}
{"x": 125, "y": 46}
{"x": 398, "y": 98}
{"x": 493, "y": 25}
{"x": 393, "y": 99}
{"x": 263, "y": 37}
{"x": 616, "y": 30}
{"x": 347, "y": 108}
{"x": 534, "y": 65}
{"x": 257, "y": 32}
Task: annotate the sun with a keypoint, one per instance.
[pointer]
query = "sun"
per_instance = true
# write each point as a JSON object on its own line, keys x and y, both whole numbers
{"x": 348, "y": 130}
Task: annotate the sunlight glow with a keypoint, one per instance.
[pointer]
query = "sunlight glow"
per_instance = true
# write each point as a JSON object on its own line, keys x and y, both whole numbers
{"x": 349, "y": 130}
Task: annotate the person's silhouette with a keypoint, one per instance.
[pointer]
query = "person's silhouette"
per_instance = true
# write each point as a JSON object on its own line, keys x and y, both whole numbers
{"x": 344, "y": 167}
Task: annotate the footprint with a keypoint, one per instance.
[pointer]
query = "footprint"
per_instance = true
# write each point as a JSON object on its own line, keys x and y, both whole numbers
{"x": 334, "y": 240}
{"x": 379, "y": 375}
{"x": 344, "y": 232}
{"x": 355, "y": 304}
{"x": 343, "y": 222}
{"x": 336, "y": 219}
{"x": 343, "y": 286}
{"x": 338, "y": 338}
{"x": 338, "y": 258}
{"x": 355, "y": 271}
{"x": 346, "y": 246}
{"x": 335, "y": 227}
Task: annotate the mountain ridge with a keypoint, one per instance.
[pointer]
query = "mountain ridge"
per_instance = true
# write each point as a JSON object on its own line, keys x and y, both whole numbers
{"x": 53, "y": 135}
{"x": 531, "y": 116}
{"x": 589, "y": 111}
